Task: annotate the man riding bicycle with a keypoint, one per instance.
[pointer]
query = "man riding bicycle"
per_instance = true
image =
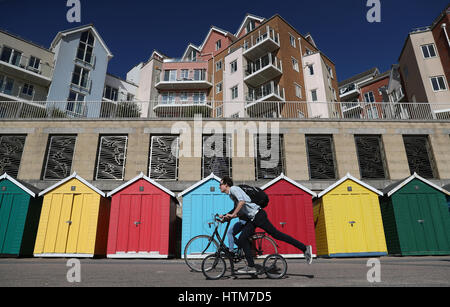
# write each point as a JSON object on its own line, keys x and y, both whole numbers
{"x": 255, "y": 217}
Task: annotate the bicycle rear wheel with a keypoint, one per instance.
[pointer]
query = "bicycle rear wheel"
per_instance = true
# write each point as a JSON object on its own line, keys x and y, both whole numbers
{"x": 197, "y": 249}
{"x": 263, "y": 245}
{"x": 275, "y": 266}
{"x": 213, "y": 267}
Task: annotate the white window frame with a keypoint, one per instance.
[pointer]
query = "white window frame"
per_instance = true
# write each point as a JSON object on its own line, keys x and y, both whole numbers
{"x": 233, "y": 66}
{"x": 82, "y": 71}
{"x": 234, "y": 90}
{"x": 295, "y": 64}
{"x": 218, "y": 44}
{"x": 219, "y": 65}
{"x": 219, "y": 87}
{"x": 292, "y": 40}
{"x": 28, "y": 87}
{"x": 437, "y": 80}
{"x": 311, "y": 69}
{"x": 312, "y": 96}
{"x": 298, "y": 90}
{"x": 368, "y": 96}
{"x": 427, "y": 46}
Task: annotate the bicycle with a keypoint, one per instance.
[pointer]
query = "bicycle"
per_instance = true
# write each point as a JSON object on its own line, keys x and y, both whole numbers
{"x": 274, "y": 266}
{"x": 200, "y": 247}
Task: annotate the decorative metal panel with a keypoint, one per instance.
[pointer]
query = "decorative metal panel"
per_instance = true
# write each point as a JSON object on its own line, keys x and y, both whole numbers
{"x": 269, "y": 156}
{"x": 320, "y": 157}
{"x": 370, "y": 157}
{"x": 111, "y": 158}
{"x": 418, "y": 152}
{"x": 216, "y": 156}
{"x": 164, "y": 158}
{"x": 59, "y": 158}
{"x": 11, "y": 149}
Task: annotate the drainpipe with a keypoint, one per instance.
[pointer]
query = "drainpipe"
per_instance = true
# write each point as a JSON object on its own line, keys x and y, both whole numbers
{"x": 444, "y": 27}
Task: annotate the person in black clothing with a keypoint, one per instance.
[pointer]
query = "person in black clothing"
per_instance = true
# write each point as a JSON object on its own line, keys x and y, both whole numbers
{"x": 255, "y": 217}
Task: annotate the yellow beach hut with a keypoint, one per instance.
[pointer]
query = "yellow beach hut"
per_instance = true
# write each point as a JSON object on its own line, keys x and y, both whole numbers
{"x": 74, "y": 220}
{"x": 348, "y": 220}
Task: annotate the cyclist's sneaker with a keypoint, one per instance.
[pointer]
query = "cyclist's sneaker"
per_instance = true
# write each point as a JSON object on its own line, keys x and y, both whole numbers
{"x": 247, "y": 270}
{"x": 308, "y": 254}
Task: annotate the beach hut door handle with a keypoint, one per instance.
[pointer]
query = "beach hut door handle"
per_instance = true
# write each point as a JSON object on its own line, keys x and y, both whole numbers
{"x": 137, "y": 223}
{"x": 352, "y": 222}
{"x": 282, "y": 224}
{"x": 420, "y": 221}
{"x": 69, "y": 222}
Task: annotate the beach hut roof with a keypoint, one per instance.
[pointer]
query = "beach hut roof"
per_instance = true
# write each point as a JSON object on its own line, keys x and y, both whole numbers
{"x": 74, "y": 176}
{"x": 23, "y": 185}
{"x": 140, "y": 176}
{"x": 283, "y": 177}
{"x": 393, "y": 188}
{"x": 347, "y": 177}
{"x": 212, "y": 176}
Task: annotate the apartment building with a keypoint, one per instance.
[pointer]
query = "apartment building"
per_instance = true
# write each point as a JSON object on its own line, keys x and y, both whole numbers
{"x": 424, "y": 65}
{"x": 61, "y": 79}
{"x": 256, "y": 71}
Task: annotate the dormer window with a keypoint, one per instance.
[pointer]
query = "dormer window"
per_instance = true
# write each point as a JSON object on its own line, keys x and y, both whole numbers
{"x": 86, "y": 47}
{"x": 218, "y": 45}
{"x": 250, "y": 26}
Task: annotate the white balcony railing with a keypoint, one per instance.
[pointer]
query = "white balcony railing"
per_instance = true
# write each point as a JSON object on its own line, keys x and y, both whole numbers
{"x": 256, "y": 107}
{"x": 29, "y": 64}
{"x": 265, "y": 40}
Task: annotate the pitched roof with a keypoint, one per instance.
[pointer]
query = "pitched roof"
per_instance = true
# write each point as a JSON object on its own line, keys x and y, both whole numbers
{"x": 73, "y": 176}
{"x": 212, "y": 176}
{"x": 347, "y": 177}
{"x": 371, "y": 72}
{"x": 81, "y": 29}
{"x": 140, "y": 176}
{"x": 248, "y": 16}
{"x": 217, "y": 29}
{"x": 393, "y": 188}
{"x": 283, "y": 177}
{"x": 33, "y": 191}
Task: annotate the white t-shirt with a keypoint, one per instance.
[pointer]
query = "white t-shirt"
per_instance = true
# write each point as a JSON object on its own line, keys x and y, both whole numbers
{"x": 249, "y": 210}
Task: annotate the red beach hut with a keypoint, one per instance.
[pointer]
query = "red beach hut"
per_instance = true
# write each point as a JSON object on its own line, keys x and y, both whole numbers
{"x": 142, "y": 220}
{"x": 290, "y": 210}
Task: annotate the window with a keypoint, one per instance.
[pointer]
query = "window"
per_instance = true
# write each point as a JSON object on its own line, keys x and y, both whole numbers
{"x": 216, "y": 157}
{"x": 311, "y": 70}
{"x": 370, "y": 157}
{"x": 86, "y": 47}
{"x": 193, "y": 56}
{"x": 250, "y": 26}
{"x": 419, "y": 154}
{"x": 320, "y": 156}
{"x": 168, "y": 98}
{"x": 112, "y": 152}
{"x": 184, "y": 96}
{"x": 233, "y": 66}
{"x": 75, "y": 103}
{"x": 369, "y": 97}
{"x": 218, "y": 44}
{"x": 314, "y": 95}
{"x": 11, "y": 149}
{"x": 58, "y": 164}
{"x": 218, "y": 87}
{"x": 295, "y": 64}
{"x": 292, "y": 40}
{"x": 111, "y": 93}
{"x": 80, "y": 77}
{"x": 234, "y": 92}
{"x": 34, "y": 63}
{"x": 438, "y": 83}
{"x": 269, "y": 156}
{"x": 11, "y": 56}
{"x": 164, "y": 157}
{"x": 28, "y": 89}
{"x": 428, "y": 51}
{"x": 184, "y": 74}
{"x": 219, "y": 111}
{"x": 199, "y": 74}
{"x": 199, "y": 97}
{"x": 298, "y": 90}
{"x": 219, "y": 65}
{"x": 330, "y": 71}
{"x": 170, "y": 75}
{"x": 8, "y": 85}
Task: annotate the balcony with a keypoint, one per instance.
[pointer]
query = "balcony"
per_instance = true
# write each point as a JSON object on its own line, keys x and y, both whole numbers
{"x": 196, "y": 79}
{"x": 176, "y": 106}
{"x": 258, "y": 45}
{"x": 263, "y": 69}
{"x": 270, "y": 93}
{"x": 15, "y": 63}
{"x": 10, "y": 90}
{"x": 349, "y": 92}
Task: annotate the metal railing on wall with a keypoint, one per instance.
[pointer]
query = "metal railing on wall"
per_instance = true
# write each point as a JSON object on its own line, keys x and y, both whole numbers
{"x": 228, "y": 109}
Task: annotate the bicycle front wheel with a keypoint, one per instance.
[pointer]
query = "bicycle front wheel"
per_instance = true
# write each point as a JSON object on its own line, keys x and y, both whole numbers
{"x": 213, "y": 267}
{"x": 275, "y": 266}
{"x": 197, "y": 249}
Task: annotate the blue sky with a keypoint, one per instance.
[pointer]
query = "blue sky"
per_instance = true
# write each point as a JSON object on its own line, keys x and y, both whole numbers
{"x": 132, "y": 29}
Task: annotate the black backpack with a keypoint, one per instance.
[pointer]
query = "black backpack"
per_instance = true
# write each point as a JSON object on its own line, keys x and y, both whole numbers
{"x": 257, "y": 195}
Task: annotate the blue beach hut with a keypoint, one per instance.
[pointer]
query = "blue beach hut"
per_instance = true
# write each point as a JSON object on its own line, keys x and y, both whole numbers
{"x": 200, "y": 203}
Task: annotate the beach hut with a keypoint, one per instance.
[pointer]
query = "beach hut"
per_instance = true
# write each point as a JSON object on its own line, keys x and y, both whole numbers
{"x": 416, "y": 218}
{"x": 290, "y": 210}
{"x": 19, "y": 216}
{"x": 447, "y": 189}
{"x": 142, "y": 220}
{"x": 200, "y": 203}
{"x": 74, "y": 220}
{"x": 348, "y": 220}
